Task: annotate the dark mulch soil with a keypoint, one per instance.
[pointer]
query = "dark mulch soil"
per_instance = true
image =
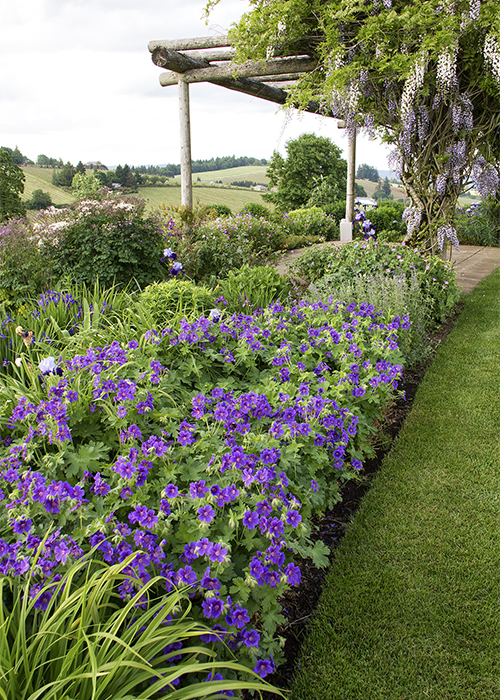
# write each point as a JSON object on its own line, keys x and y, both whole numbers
{"x": 299, "y": 603}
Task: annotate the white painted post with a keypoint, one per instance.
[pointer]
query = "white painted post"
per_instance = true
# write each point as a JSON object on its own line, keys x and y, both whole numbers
{"x": 185, "y": 131}
{"x": 346, "y": 224}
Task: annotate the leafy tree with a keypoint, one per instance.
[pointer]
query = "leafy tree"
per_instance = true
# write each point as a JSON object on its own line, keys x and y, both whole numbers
{"x": 359, "y": 190}
{"x": 367, "y": 172}
{"x": 118, "y": 176}
{"x": 80, "y": 168}
{"x": 64, "y": 178}
{"x": 39, "y": 200}
{"x": 312, "y": 164}
{"x": 129, "y": 180}
{"x": 383, "y": 190}
{"x": 85, "y": 185}
{"x": 100, "y": 176}
{"x": 12, "y": 181}
{"x": 17, "y": 156}
{"x": 423, "y": 75}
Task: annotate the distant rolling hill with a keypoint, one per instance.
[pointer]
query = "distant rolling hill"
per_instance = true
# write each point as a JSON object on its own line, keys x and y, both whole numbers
{"x": 41, "y": 179}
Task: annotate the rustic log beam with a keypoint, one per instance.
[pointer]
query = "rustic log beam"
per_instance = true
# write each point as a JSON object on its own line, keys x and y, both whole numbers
{"x": 222, "y": 54}
{"x": 249, "y": 69}
{"x": 175, "y": 61}
{"x": 280, "y": 85}
{"x": 201, "y": 42}
{"x": 286, "y": 77}
{"x": 254, "y": 88}
{"x": 269, "y": 93}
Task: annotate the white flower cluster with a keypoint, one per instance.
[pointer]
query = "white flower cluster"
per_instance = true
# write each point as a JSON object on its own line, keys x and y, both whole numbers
{"x": 447, "y": 71}
{"x": 474, "y": 9}
{"x": 441, "y": 181}
{"x": 492, "y": 56}
{"x": 447, "y": 231}
{"x": 413, "y": 217}
{"x": 413, "y": 83}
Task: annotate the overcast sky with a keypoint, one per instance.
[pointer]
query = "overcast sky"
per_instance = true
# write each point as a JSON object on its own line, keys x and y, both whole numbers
{"x": 77, "y": 82}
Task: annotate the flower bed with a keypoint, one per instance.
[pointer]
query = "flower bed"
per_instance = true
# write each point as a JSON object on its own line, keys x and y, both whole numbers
{"x": 203, "y": 450}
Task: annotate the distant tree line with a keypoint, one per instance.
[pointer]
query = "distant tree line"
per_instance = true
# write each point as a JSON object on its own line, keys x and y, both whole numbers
{"x": 243, "y": 183}
{"x": 199, "y": 166}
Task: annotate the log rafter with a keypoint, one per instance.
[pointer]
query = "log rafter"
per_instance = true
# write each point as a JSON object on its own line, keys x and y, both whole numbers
{"x": 194, "y": 67}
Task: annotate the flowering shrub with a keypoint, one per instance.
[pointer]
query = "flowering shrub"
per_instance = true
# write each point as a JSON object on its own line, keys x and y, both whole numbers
{"x": 262, "y": 236}
{"x": 109, "y": 240}
{"x": 436, "y": 278}
{"x": 216, "y": 247}
{"x": 23, "y": 271}
{"x": 202, "y": 451}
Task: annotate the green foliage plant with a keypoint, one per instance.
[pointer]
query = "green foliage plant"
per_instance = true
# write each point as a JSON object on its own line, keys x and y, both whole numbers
{"x": 176, "y": 299}
{"x": 436, "y": 278}
{"x": 311, "y": 221}
{"x": 11, "y": 187}
{"x": 479, "y": 224}
{"x": 76, "y": 638}
{"x": 257, "y": 210}
{"x": 220, "y": 210}
{"x": 109, "y": 239}
{"x": 24, "y": 271}
{"x": 293, "y": 242}
{"x": 388, "y": 217}
{"x": 252, "y": 288}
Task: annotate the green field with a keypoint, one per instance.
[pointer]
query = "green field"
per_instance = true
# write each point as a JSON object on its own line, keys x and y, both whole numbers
{"x": 255, "y": 173}
{"x": 41, "y": 179}
{"x": 235, "y": 199}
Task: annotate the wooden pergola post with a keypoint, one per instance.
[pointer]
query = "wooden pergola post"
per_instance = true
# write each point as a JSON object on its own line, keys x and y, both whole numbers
{"x": 185, "y": 133}
{"x": 351, "y": 177}
{"x": 346, "y": 224}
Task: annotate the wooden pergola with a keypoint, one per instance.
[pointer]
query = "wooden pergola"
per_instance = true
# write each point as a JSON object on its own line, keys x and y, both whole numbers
{"x": 210, "y": 59}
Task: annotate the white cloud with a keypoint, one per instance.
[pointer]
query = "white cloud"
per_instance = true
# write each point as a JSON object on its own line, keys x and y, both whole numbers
{"x": 77, "y": 82}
